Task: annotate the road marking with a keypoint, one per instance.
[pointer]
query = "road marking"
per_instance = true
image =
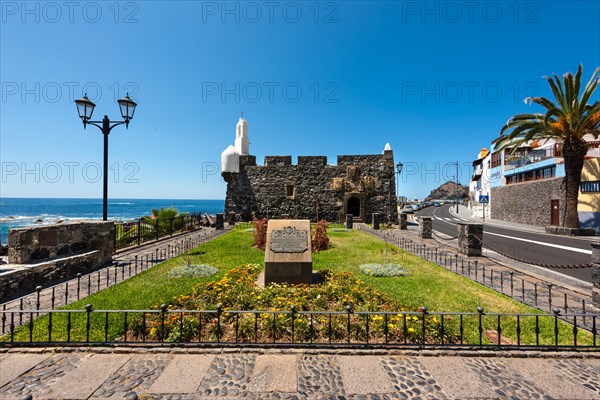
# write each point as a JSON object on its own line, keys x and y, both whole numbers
{"x": 557, "y": 246}
{"x": 441, "y": 219}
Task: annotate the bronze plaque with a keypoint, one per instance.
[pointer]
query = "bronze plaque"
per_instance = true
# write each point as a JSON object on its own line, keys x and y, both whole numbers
{"x": 289, "y": 240}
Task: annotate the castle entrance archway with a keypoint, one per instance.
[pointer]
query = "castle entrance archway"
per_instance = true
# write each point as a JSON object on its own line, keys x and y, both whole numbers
{"x": 354, "y": 206}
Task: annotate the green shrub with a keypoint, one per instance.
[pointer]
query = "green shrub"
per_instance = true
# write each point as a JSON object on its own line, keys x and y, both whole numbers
{"x": 192, "y": 271}
{"x": 383, "y": 270}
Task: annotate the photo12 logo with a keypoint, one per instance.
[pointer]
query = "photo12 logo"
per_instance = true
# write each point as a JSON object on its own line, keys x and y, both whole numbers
{"x": 434, "y": 172}
{"x": 470, "y": 92}
{"x": 67, "y": 171}
{"x": 253, "y": 12}
{"x": 53, "y": 92}
{"x": 53, "y": 12}
{"x": 454, "y": 12}
{"x": 269, "y": 92}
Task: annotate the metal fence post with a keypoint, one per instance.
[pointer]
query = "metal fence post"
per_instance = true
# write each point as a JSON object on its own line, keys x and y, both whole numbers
{"x": 139, "y": 231}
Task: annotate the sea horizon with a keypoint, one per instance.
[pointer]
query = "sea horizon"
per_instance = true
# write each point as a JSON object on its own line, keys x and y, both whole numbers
{"x": 18, "y": 212}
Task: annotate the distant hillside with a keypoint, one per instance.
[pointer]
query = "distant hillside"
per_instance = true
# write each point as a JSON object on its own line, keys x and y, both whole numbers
{"x": 448, "y": 191}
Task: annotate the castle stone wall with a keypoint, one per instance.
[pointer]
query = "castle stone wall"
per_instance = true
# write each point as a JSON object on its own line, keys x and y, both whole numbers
{"x": 311, "y": 189}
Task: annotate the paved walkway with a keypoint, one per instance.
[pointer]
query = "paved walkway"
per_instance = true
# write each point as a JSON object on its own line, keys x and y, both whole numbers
{"x": 465, "y": 213}
{"x": 163, "y": 373}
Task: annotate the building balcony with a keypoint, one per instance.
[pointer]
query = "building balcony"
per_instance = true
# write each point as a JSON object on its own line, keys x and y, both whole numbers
{"x": 528, "y": 157}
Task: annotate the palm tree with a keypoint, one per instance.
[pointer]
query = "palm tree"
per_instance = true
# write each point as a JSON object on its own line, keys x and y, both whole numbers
{"x": 567, "y": 121}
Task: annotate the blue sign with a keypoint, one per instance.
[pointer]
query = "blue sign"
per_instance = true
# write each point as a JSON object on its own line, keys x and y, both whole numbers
{"x": 484, "y": 199}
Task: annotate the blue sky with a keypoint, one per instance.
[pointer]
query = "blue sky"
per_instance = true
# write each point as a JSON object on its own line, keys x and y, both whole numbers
{"x": 437, "y": 80}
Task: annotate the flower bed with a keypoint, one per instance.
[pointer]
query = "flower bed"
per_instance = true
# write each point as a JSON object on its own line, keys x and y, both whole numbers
{"x": 237, "y": 299}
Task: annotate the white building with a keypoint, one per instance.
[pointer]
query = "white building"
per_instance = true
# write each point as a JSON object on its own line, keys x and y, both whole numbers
{"x": 230, "y": 157}
{"x": 480, "y": 185}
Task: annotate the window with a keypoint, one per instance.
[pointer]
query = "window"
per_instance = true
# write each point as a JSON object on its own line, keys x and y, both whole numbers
{"x": 496, "y": 159}
{"x": 290, "y": 190}
{"x": 590, "y": 187}
{"x": 533, "y": 175}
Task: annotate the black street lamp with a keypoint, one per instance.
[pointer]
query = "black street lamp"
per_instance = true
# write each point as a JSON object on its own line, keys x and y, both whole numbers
{"x": 85, "y": 108}
{"x": 456, "y": 189}
{"x": 398, "y": 172}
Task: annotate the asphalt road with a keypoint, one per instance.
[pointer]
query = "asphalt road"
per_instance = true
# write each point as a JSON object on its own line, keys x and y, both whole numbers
{"x": 535, "y": 248}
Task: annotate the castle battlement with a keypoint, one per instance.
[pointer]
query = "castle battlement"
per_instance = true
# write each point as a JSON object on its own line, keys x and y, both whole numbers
{"x": 310, "y": 188}
{"x": 314, "y": 161}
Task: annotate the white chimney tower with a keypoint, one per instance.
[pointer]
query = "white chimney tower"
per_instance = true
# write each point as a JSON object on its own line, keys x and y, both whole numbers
{"x": 241, "y": 137}
{"x": 230, "y": 157}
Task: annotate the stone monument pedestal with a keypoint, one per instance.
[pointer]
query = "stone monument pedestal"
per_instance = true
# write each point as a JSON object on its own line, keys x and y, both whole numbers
{"x": 220, "y": 222}
{"x": 470, "y": 239}
{"x": 375, "y": 220}
{"x": 349, "y": 221}
{"x": 425, "y": 228}
{"x": 288, "y": 256}
{"x": 403, "y": 221}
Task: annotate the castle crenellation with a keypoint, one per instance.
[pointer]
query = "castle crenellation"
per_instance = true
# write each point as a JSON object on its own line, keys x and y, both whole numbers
{"x": 309, "y": 189}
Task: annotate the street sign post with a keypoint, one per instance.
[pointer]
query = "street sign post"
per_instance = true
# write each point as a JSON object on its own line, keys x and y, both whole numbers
{"x": 484, "y": 199}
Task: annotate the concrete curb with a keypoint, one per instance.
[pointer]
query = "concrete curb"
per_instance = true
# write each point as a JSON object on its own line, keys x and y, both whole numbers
{"x": 569, "y": 354}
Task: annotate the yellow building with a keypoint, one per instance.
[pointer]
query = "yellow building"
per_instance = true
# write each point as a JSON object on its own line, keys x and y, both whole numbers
{"x": 588, "y": 206}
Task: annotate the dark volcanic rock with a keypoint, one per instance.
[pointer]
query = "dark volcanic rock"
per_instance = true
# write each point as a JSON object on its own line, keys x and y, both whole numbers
{"x": 449, "y": 191}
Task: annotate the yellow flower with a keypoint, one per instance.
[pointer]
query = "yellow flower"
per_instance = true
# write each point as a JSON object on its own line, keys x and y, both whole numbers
{"x": 411, "y": 330}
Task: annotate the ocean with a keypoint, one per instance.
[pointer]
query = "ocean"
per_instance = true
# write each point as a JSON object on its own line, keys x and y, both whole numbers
{"x": 19, "y": 212}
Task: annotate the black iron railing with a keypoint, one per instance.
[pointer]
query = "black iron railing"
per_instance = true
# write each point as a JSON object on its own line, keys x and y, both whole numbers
{"x": 134, "y": 233}
{"x": 293, "y": 328}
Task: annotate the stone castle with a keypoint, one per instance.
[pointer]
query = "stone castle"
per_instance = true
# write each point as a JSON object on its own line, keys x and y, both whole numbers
{"x": 311, "y": 189}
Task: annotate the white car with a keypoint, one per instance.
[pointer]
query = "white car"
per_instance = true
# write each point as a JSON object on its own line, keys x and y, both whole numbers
{"x": 407, "y": 209}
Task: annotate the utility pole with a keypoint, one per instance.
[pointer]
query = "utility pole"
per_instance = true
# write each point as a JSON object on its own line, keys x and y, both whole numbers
{"x": 456, "y": 189}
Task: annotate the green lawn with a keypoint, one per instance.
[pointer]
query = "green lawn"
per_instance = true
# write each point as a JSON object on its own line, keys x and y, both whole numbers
{"x": 426, "y": 285}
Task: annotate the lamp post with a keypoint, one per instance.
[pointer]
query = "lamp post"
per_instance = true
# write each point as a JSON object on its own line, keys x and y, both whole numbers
{"x": 398, "y": 172}
{"x": 85, "y": 108}
{"x": 456, "y": 189}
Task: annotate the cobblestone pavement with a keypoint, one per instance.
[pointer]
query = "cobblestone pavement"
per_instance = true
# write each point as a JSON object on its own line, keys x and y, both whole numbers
{"x": 162, "y": 373}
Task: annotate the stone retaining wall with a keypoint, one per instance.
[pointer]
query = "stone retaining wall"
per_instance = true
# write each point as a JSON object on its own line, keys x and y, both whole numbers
{"x": 48, "y": 242}
{"x": 23, "y": 279}
{"x": 527, "y": 203}
{"x": 48, "y": 254}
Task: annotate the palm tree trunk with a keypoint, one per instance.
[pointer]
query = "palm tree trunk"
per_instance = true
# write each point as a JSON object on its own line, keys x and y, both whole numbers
{"x": 574, "y": 152}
